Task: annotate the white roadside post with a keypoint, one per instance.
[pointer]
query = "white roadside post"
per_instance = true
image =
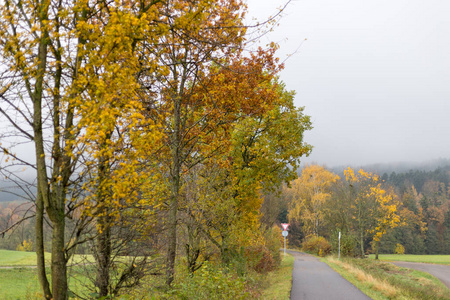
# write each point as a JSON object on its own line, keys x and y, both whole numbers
{"x": 339, "y": 251}
{"x": 285, "y": 234}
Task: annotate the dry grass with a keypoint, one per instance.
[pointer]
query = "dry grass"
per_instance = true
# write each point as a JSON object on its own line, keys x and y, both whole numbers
{"x": 380, "y": 280}
{"x": 380, "y": 285}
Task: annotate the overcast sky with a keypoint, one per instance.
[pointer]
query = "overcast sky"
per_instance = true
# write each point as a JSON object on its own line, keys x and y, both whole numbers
{"x": 374, "y": 75}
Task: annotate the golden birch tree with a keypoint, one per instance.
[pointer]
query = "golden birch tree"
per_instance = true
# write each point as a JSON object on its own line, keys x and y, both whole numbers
{"x": 308, "y": 194}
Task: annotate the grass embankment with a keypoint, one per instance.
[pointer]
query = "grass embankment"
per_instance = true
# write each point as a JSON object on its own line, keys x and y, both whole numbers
{"x": 279, "y": 282}
{"x": 381, "y": 280}
{"x": 431, "y": 259}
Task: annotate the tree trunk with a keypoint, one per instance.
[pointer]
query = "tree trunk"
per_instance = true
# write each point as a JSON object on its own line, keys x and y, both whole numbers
{"x": 39, "y": 242}
{"x": 361, "y": 241}
{"x": 175, "y": 144}
{"x": 192, "y": 248}
{"x": 377, "y": 247}
{"x": 103, "y": 256}
{"x": 103, "y": 240}
{"x": 53, "y": 202}
{"x": 172, "y": 234}
{"x": 59, "y": 267}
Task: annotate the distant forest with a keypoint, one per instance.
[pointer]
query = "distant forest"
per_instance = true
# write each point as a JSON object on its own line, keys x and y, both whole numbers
{"x": 420, "y": 199}
{"x": 427, "y": 195}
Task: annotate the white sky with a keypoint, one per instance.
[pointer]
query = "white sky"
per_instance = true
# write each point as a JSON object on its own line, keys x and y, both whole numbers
{"x": 374, "y": 75}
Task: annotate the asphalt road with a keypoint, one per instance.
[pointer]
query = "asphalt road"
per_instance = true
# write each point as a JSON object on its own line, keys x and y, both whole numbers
{"x": 315, "y": 280}
{"x": 441, "y": 272}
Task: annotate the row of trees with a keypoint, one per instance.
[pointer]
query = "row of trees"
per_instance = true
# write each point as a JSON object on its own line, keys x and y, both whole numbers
{"x": 373, "y": 214}
{"x": 152, "y": 124}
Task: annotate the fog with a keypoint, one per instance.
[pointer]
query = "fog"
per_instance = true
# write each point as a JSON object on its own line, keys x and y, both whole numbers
{"x": 373, "y": 75}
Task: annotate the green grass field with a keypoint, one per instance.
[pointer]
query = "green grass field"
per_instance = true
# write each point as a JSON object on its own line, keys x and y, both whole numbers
{"x": 21, "y": 258}
{"x": 432, "y": 259}
{"x": 22, "y": 283}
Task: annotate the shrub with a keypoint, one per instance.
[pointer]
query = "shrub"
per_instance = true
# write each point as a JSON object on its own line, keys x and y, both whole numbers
{"x": 263, "y": 256}
{"x": 25, "y": 246}
{"x": 274, "y": 242}
{"x": 399, "y": 249}
{"x": 212, "y": 282}
{"x": 259, "y": 258}
{"x": 317, "y": 245}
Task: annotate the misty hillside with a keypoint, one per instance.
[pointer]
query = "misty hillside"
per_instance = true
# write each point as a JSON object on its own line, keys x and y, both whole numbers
{"x": 10, "y": 191}
{"x": 400, "y": 167}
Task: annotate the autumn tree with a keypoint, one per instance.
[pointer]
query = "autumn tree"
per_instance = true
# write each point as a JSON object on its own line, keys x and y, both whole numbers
{"x": 203, "y": 39}
{"x": 109, "y": 91}
{"x": 263, "y": 154}
{"x": 111, "y": 111}
{"x": 39, "y": 67}
{"x": 374, "y": 210}
{"x": 386, "y": 215}
{"x": 63, "y": 87}
{"x": 309, "y": 193}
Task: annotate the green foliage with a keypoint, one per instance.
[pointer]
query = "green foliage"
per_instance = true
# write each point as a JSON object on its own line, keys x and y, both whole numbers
{"x": 317, "y": 245}
{"x": 399, "y": 249}
{"x": 212, "y": 282}
{"x": 274, "y": 242}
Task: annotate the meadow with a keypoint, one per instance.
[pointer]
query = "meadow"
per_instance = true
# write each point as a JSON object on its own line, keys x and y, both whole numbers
{"x": 22, "y": 283}
{"x": 22, "y": 259}
{"x": 431, "y": 259}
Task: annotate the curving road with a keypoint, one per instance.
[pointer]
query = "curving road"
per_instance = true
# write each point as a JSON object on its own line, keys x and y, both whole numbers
{"x": 441, "y": 272}
{"x": 315, "y": 280}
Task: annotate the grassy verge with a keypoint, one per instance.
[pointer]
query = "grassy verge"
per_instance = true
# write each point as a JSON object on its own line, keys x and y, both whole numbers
{"x": 431, "y": 259}
{"x": 380, "y": 280}
{"x": 279, "y": 282}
